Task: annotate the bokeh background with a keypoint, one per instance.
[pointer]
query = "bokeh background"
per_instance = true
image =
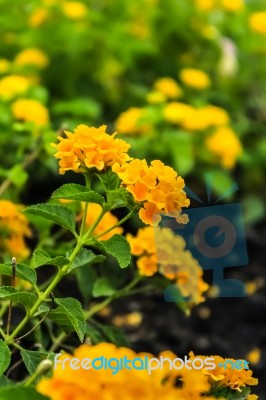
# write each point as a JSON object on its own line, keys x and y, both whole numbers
{"x": 184, "y": 81}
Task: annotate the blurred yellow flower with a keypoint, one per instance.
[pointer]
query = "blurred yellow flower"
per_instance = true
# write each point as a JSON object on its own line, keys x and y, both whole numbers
{"x": 168, "y": 87}
{"x": 4, "y": 65}
{"x": 13, "y": 85}
{"x": 206, "y": 5}
{"x": 33, "y": 57}
{"x": 107, "y": 222}
{"x": 257, "y": 22}
{"x": 155, "y": 97}
{"x": 161, "y": 250}
{"x": 14, "y": 227}
{"x": 232, "y": 5}
{"x": 90, "y": 147}
{"x": 254, "y": 356}
{"x": 30, "y": 111}
{"x": 164, "y": 383}
{"x": 132, "y": 122}
{"x": 225, "y": 144}
{"x": 74, "y": 9}
{"x": 195, "y": 78}
{"x": 176, "y": 112}
{"x": 38, "y": 17}
{"x": 157, "y": 188}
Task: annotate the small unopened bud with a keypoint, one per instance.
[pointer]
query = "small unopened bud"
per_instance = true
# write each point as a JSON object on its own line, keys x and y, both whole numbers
{"x": 44, "y": 366}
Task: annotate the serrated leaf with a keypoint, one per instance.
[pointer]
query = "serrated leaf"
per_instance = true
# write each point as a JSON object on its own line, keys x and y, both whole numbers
{"x": 32, "y": 359}
{"x": 69, "y": 314}
{"x": 84, "y": 258}
{"x": 23, "y": 271}
{"x": 60, "y": 215}
{"x": 5, "y": 357}
{"x": 102, "y": 287}
{"x": 109, "y": 179}
{"x": 41, "y": 257}
{"x": 230, "y": 394}
{"x": 72, "y": 191}
{"x": 118, "y": 247}
{"x": 119, "y": 198}
{"x": 24, "y": 298}
{"x": 20, "y": 393}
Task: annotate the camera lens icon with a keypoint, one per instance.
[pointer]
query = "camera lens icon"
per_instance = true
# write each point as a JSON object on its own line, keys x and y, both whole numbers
{"x": 214, "y": 236}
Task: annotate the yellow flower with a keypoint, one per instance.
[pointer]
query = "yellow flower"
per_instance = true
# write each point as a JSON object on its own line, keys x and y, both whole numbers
{"x": 257, "y": 22}
{"x": 13, "y": 85}
{"x": 38, "y": 17}
{"x": 157, "y": 188}
{"x": 160, "y": 250}
{"x": 90, "y": 147}
{"x": 33, "y": 57}
{"x": 168, "y": 87}
{"x": 4, "y": 65}
{"x": 155, "y": 97}
{"x": 195, "y": 78}
{"x": 225, "y": 144}
{"x": 176, "y": 112}
{"x": 107, "y": 222}
{"x": 102, "y": 384}
{"x": 13, "y": 228}
{"x": 232, "y": 5}
{"x": 74, "y": 9}
{"x": 132, "y": 122}
{"x": 206, "y": 5}
{"x": 30, "y": 111}
{"x": 254, "y": 356}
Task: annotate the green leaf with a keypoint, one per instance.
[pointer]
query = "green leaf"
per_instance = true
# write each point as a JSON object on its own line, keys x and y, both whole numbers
{"x": 32, "y": 359}
{"x": 254, "y": 209}
{"x": 230, "y": 394}
{"x": 84, "y": 258}
{"x": 181, "y": 147}
{"x": 20, "y": 393}
{"x": 23, "y": 271}
{"x": 119, "y": 198}
{"x": 5, "y": 357}
{"x": 4, "y": 381}
{"x": 69, "y": 314}
{"x": 86, "y": 276}
{"x": 60, "y": 215}
{"x": 109, "y": 179}
{"x": 24, "y": 298}
{"x": 102, "y": 287}
{"x": 105, "y": 333}
{"x": 72, "y": 191}
{"x": 118, "y": 247}
{"x": 78, "y": 107}
{"x": 41, "y": 257}
{"x": 17, "y": 175}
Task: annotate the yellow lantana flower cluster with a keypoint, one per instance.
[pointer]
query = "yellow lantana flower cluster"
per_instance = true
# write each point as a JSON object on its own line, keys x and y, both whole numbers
{"x": 257, "y": 22}
{"x": 74, "y": 9}
{"x": 128, "y": 384}
{"x": 160, "y": 250}
{"x": 227, "y": 5}
{"x": 168, "y": 87}
{"x": 132, "y": 122}
{"x": 90, "y": 147}
{"x": 225, "y": 144}
{"x": 195, "y": 78}
{"x": 14, "y": 227}
{"x": 195, "y": 119}
{"x": 12, "y": 86}
{"x": 32, "y": 57}
{"x": 29, "y": 110}
{"x": 157, "y": 187}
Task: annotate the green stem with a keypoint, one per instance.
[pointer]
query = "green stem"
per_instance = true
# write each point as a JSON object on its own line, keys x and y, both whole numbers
{"x": 117, "y": 224}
